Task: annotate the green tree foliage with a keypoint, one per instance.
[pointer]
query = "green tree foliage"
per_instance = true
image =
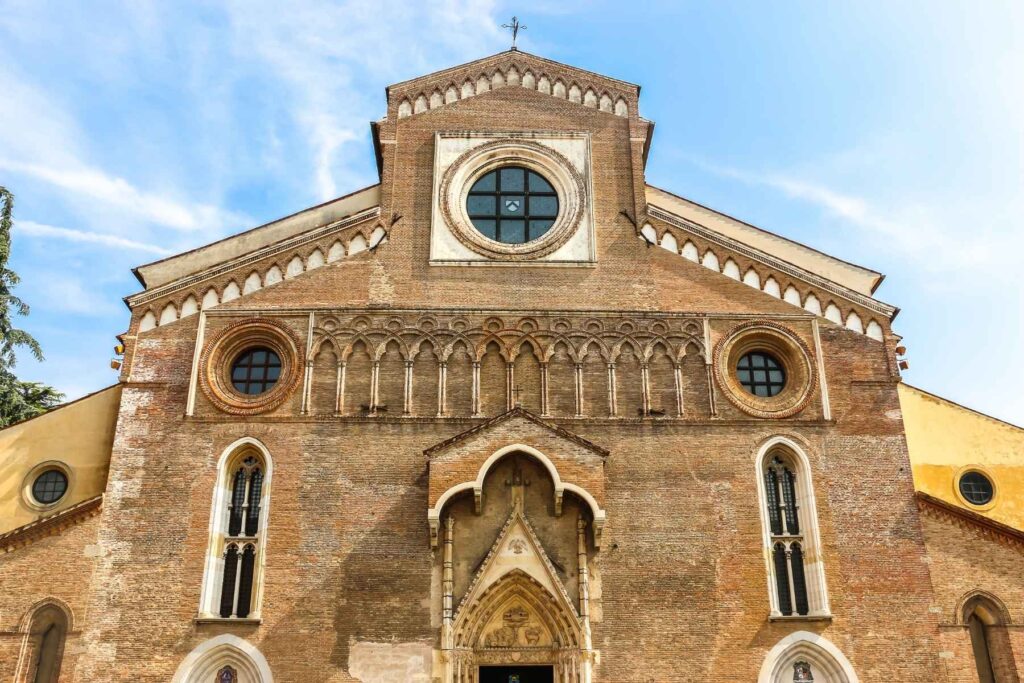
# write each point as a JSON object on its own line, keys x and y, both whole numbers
{"x": 18, "y": 400}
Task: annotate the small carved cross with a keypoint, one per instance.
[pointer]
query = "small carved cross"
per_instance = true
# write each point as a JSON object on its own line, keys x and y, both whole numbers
{"x": 515, "y": 27}
{"x": 515, "y": 394}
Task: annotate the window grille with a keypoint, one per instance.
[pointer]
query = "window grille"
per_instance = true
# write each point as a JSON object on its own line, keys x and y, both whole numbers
{"x": 242, "y": 539}
{"x": 787, "y": 541}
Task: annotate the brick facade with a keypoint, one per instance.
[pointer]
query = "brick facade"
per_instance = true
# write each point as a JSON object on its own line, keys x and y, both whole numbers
{"x": 613, "y": 364}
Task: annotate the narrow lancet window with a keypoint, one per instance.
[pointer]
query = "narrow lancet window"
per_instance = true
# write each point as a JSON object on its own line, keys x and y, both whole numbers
{"x": 797, "y": 578}
{"x": 234, "y": 572}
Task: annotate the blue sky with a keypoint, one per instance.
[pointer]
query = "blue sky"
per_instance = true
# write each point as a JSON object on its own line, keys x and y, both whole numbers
{"x": 890, "y": 134}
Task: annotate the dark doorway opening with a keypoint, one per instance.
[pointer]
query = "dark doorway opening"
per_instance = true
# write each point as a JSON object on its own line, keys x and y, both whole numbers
{"x": 517, "y": 674}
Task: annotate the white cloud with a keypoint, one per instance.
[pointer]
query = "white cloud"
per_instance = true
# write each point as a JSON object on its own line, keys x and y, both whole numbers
{"x": 84, "y": 236}
{"x": 118, "y": 193}
{"x": 928, "y": 235}
{"x": 328, "y": 54}
{"x": 56, "y": 291}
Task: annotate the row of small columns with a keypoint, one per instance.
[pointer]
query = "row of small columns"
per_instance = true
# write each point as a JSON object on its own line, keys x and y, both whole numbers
{"x": 510, "y": 399}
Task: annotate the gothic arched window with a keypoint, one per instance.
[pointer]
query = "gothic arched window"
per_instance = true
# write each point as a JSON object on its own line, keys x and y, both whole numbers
{"x": 44, "y": 649}
{"x": 990, "y": 642}
{"x": 797, "y": 580}
{"x": 233, "y": 577}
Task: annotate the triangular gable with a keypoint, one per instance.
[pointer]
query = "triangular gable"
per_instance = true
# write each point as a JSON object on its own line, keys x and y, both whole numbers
{"x": 516, "y": 548}
{"x": 518, "y": 411}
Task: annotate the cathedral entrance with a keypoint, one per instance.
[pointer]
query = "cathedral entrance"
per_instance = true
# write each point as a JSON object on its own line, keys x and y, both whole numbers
{"x": 517, "y": 674}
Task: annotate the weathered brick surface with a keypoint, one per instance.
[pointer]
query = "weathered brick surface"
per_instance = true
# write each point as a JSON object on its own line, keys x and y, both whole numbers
{"x": 966, "y": 560}
{"x": 55, "y": 568}
{"x": 680, "y": 583}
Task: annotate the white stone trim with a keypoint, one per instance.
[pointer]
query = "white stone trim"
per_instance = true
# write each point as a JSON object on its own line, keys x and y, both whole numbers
{"x": 820, "y": 653}
{"x": 217, "y": 530}
{"x": 807, "y": 514}
{"x": 202, "y": 664}
{"x": 477, "y": 486}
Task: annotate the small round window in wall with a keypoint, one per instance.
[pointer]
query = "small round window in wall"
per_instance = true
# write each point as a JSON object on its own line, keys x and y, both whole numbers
{"x": 761, "y": 374}
{"x": 49, "y": 487}
{"x": 255, "y": 371}
{"x": 512, "y": 205}
{"x": 976, "y": 488}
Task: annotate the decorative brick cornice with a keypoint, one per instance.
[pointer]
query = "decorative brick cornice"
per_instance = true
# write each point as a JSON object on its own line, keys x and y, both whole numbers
{"x": 50, "y": 525}
{"x": 518, "y": 411}
{"x": 968, "y": 519}
{"x": 754, "y": 254}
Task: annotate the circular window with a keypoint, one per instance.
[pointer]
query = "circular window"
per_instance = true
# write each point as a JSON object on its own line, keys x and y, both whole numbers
{"x": 513, "y": 199}
{"x": 512, "y": 205}
{"x": 49, "y": 487}
{"x": 761, "y": 374}
{"x": 976, "y": 488}
{"x": 255, "y": 370}
{"x": 765, "y": 369}
{"x": 251, "y": 366}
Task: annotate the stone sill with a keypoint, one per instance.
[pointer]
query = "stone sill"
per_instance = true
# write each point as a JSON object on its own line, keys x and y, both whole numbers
{"x": 248, "y": 621}
{"x": 801, "y": 617}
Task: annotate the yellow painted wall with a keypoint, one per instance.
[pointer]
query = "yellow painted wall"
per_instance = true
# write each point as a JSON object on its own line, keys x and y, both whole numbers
{"x": 79, "y": 434}
{"x": 945, "y": 438}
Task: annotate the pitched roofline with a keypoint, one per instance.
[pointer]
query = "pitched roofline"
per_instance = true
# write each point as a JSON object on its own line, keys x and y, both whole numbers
{"x": 138, "y": 275}
{"x": 803, "y": 273}
{"x": 387, "y": 90}
{"x": 60, "y": 407}
{"x": 232, "y": 263}
{"x": 50, "y": 525}
{"x": 982, "y": 523}
{"x": 963, "y": 407}
{"x": 879, "y": 277}
{"x": 518, "y": 411}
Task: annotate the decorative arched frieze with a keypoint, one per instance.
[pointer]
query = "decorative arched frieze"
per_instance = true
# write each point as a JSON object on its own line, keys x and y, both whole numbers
{"x": 358, "y": 240}
{"x": 757, "y": 275}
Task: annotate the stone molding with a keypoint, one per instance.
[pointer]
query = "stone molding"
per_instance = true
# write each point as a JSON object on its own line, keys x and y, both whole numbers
{"x": 773, "y": 276}
{"x": 460, "y": 175}
{"x": 518, "y": 411}
{"x": 968, "y": 519}
{"x": 51, "y": 524}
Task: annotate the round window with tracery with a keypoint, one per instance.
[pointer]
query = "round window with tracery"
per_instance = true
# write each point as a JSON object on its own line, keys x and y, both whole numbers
{"x": 255, "y": 370}
{"x": 512, "y": 205}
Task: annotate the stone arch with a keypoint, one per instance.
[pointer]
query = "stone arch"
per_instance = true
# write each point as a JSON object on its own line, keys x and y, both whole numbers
{"x": 828, "y": 664}
{"x": 148, "y": 321}
{"x": 515, "y": 588}
{"x": 669, "y": 242}
{"x": 46, "y": 626}
{"x": 203, "y": 663}
{"x": 252, "y": 283}
{"x": 169, "y": 314}
{"x": 990, "y": 608}
{"x": 560, "y": 487}
{"x": 323, "y": 393}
